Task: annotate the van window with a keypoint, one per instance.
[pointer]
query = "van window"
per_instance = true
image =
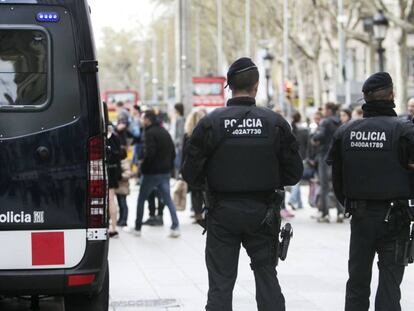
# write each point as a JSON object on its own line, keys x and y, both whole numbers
{"x": 23, "y": 67}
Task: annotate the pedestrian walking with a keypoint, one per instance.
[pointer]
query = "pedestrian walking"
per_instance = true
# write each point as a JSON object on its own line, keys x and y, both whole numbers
{"x": 122, "y": 192}
{"x": 158, "y": 162}
{"x": 114, "y": 176}
{"x": 312, "y": 164}
{"x": 135, "y": 129}
{"x": 302, "y": 136}
{"x": 243, "y": 153}
{"x": 178, "y": 134}
{"x": 410, "y": 105}
{"x": 324, "y": 138}
{"x": 122, "y": 123}
{"x": 197, "y": 198}
{"x": 373, "y": 177}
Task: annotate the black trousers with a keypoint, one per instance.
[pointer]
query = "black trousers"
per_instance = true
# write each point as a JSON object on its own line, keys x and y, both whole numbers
{"x": 370, "y": 234}
{"x": 232, "y": 223}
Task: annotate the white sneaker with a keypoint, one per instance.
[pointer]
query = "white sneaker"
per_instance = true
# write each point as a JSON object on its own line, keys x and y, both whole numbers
{"x": 137, "y": 233}
{"x": 175, "y": 233}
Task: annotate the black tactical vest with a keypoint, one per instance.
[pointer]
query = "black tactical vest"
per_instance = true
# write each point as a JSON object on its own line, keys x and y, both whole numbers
{"x": 245, "y": 159}
{"x": 371, "y": 165}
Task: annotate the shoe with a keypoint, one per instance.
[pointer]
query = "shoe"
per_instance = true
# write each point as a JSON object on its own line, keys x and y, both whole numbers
{"x": 158, "y": 221}
{"x": 284, "y": 213}
{"x": 150, "y": 221}
{"x": 137, "y": 233}
{"x": 340, "y": 218}
{"x": 323, "y": 219}
{"x": 175, "y": 233}
{"x": 121, "y": 224}
{"x": 113, "y": 234}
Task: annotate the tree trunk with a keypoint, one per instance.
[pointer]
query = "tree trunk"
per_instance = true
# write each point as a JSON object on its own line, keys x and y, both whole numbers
{"x": 317, "y": 84}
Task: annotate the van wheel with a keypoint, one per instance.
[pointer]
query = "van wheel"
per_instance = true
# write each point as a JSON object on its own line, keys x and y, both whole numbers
{"x": 98, "y": 302}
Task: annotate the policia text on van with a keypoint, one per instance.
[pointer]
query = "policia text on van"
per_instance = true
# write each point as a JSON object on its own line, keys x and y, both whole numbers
{"x": 53, "y": 197}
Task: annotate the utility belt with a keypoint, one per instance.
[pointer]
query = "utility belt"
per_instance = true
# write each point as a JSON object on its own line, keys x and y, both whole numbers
{"x": 403, "y": 207}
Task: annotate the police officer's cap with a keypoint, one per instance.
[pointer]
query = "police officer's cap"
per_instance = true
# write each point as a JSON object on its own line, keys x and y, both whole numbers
{"x": 241, "y": 65}
{"x": 376, "y": 82}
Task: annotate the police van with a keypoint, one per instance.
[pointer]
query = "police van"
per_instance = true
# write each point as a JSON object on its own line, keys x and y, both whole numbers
{"x": 53, "y": 193}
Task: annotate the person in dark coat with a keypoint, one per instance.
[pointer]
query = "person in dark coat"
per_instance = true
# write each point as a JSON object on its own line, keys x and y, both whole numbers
{"x": 302, "y": 136}
{"x": 324, "y": 138}
{"x": 156, "y": 168}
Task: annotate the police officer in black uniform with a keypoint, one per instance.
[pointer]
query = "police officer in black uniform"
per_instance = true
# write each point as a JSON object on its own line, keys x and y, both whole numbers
{"x": 372, "y": 176}
{"x": 245, "y": 153}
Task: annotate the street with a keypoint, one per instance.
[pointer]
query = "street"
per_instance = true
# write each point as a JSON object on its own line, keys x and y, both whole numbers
{"x": 155, "y": 272}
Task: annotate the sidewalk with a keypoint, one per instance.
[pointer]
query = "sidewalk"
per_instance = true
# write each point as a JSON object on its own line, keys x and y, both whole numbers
{"x": 154, "y": 272}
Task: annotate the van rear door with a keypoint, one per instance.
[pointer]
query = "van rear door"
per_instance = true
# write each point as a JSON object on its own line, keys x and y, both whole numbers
{"x": 43, "y": 140}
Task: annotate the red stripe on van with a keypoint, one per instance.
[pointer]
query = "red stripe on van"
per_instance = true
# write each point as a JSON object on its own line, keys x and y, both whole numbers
{"x": 48, "y": 248}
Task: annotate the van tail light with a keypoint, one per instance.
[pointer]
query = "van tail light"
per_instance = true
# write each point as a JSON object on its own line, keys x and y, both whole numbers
{"x": 79, "y": 280}
{"x": 97, "y": 201}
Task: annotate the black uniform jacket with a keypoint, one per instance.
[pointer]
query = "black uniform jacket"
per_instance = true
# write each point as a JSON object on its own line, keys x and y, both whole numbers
{"x": 204, "y": 141}
{"x": 334, "y": 157}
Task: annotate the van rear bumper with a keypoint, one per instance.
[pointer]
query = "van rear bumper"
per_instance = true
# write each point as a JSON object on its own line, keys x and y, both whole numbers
{"x": 55, "y": 282}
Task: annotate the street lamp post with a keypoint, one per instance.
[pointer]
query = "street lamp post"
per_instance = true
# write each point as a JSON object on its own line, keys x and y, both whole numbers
{"x": 380, "y": 32}
{"x": 268, "y": 60}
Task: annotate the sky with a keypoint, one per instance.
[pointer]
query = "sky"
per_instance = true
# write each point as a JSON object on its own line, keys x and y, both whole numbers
{"x": 125, "y": 14}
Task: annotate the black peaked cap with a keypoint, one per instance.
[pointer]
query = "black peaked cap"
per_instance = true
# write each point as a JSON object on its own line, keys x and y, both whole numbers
{"x": 376, "y": 82}
{"x": 241, "y": 65}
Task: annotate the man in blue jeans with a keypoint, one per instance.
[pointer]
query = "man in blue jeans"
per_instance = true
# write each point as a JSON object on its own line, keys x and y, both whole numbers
{"x": 158, "y": 162}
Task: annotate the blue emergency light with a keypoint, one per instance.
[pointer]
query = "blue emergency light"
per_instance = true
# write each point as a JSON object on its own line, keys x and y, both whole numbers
{"x": 51, "y": 17}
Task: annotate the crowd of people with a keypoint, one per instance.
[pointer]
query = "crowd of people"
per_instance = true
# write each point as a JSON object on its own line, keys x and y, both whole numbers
{"x": 314, "y": 138}
{"x": 157, "y": 154}
{"x": 156, "y": 157}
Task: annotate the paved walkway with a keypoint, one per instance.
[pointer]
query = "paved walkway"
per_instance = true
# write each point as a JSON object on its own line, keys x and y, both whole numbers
{"x": 155, "y": 272}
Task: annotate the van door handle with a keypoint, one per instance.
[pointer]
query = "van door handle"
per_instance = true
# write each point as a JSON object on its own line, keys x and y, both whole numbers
{"x": 43, "y": 153}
